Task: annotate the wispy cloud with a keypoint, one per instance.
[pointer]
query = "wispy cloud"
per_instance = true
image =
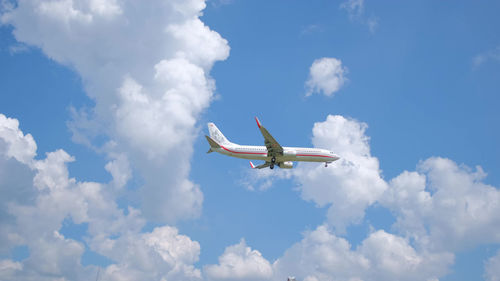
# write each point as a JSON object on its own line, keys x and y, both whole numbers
{"x": 355, "y": 8}
{"x": 491, "y": 55}
{"x": 18, "y": 48}
{"x": 311, "y": 28}
{"x": 356, "y": 11}
{"x": 218, "y": 3}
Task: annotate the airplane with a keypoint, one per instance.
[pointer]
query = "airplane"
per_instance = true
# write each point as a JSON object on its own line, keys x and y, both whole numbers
{"x": 272, "y": 153}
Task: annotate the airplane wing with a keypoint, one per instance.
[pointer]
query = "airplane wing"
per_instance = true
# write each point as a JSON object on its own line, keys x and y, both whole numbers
{"x": 265, "y": 165}
{"x": 273, "y": 147}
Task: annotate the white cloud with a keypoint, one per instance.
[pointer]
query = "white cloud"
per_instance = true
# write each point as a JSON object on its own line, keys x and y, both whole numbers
{"x": 382, "y": 256}
{"x": 320, "y": 255}
{"x": 350, "y": 184}
{"x": 326, "y": 76}
{"x": 355, "y": 8}
{"x": 393, "y": 258}
{"x": 372, "y": 23}
{"x": 219, "y": 3}
{"x": 162, "y": 253}
{"x": 172, "y": 246}
{"x": 441, "y": 208}
{"x": 445, "y": 206}
{"x": 9, "y": 267}
{"x": 18, "y": 48}
{"x": 356, "y": 11}
{"x": 263, "y": 179}
{"x": 240, "y": 262}
{"x": 146, "y": 65}
{"x": 492, "y": 268}
{"x": 119, "y": 168}
{"x": 310, "y": 29}
{"x": 33, "y": 212}
{"x": 17, "y": 145}
{"x": 492, "y": 55}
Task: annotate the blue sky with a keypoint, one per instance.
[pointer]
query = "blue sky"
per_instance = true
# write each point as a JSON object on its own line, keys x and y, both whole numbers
{"x": 128, "y": 87}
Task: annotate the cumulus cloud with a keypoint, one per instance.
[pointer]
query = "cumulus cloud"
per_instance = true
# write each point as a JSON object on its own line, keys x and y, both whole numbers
{"x": 326, "y": 76}
{"x": 33, "y": 212}
{"x": 441, "y": 208}
{"x": 162, "y": 253}
{"x": 16, "y": 144}
{"x": 445, "y": 206}
{"x": 146, "y": 65}
{"x": 350, "y": 184}
{"x": 321, "y": 255}
{"x": 240, "y": 262}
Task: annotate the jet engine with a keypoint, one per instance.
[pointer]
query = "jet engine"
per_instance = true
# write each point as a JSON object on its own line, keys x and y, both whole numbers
{"x": 286, "y": 165}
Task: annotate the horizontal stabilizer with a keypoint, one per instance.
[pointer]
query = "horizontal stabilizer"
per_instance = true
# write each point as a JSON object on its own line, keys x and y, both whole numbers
{"x": 265, "y": 165}
{"x": 212, "y": 143}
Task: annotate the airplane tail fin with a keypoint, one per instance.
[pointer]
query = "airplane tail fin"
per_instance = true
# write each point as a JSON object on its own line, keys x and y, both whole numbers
{"x": 217, "y": 135}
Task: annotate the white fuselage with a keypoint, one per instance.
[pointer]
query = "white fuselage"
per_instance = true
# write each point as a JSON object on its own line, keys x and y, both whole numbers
{"x": 289, "y": 153}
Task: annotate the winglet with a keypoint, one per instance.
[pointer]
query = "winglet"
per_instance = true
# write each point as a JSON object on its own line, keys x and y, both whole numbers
{"x": 258, "y": 122}
{"x": 252, "y": 165}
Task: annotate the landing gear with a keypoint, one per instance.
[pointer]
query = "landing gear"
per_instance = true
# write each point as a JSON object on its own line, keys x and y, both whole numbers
{"x": 326, "y": 164}
{"x": 273, "y": 160}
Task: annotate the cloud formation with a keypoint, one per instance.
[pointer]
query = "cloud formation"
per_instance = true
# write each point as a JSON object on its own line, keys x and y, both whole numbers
{"x": 355, "y": 8}
{"x": 146, "y": 65}
{"x": 442, "y": 208}
{"x": 321, "y": 255}
{"x": 356, "y": 11}
{"x": 492, "y": 55}
{"x": 149, "y": 91}
{"x": 445, "y": 206}
{"x": 326, "y": 76}
{"x": 492, "y": 268}
{"x": 240, "y": 262}
{"x": 32, "y": 211}
{"x": 352, "y": 183}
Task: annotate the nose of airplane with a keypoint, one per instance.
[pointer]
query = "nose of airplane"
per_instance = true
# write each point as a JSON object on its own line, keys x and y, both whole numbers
{"x": 335, "y": 156}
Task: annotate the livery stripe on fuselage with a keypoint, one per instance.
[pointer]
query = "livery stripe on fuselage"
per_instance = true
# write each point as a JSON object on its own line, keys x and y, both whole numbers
{"x": 312, "y": 155}
{"x": 260, "y": 153}
{"x": 232, "y": 151}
